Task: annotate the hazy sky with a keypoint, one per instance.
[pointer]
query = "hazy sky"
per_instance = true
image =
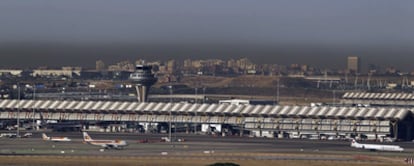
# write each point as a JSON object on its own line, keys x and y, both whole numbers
{"x": 316, "y": 32}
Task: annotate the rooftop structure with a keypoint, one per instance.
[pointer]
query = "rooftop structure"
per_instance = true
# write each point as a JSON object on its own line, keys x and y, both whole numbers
{"x": 248, "y": 110}
{"x": 379, "y": 99}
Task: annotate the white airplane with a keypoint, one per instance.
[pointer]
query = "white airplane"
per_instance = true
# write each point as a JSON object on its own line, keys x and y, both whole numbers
{"x": 55, "y": 139}
{"x": 116, "y": 144}
{"x": 376, "y": 147}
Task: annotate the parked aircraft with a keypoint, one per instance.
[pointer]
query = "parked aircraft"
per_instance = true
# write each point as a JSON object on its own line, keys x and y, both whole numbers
{"x": 55, "y": 139}
{"x": 376, "y": 147}
{"x": 107, "y": 144}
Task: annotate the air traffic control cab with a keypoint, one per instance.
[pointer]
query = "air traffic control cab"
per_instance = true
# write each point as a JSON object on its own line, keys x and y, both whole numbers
{"x": 143, "y": 79}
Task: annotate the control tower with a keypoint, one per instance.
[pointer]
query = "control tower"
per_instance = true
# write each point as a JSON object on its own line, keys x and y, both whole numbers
{"x": 143, "y": 79}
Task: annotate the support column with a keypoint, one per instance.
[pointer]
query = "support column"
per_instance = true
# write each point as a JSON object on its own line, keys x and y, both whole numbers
{"x": 394, "y": 126}
{"x": 195, "y": 123}
{"x": 241, "y": 130}
{"x": 138, "y": 93}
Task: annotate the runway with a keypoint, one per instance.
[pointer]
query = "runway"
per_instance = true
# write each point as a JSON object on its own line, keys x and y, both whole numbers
{"x": 194, "y": 150}
{"x": 192, "y": 144}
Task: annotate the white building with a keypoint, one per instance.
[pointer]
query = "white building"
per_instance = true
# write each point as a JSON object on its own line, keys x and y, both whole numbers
{"x": 12, "y": 72}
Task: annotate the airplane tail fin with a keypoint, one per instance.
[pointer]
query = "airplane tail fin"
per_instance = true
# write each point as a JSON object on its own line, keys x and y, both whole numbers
{"x": 86, "y": 137}
{"x": 353, "y": 142}
{"x": 45, "y": 137}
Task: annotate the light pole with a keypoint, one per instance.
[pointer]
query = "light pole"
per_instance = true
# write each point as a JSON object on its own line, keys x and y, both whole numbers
{"x": 170, "y": 87}
{"x": 34, "y": 94}
{"x": 18, "y": 111}
{"x": 277, "y": 89}
{"x": 169, "y": 128}
{"x": 195, "y": 92}
{"x": 204, "y": 94}
{"x": 195, "y": 102}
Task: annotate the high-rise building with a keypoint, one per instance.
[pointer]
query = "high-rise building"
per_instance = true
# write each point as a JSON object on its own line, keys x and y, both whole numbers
{"x": 353, "y": 64}
{"x": 100, "y": 65}
{"x": 171, "y": 66}
{"x": 188, "y": 63}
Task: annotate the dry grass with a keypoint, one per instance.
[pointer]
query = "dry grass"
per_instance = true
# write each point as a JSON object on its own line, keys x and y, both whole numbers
{"x": 214, "y": 81}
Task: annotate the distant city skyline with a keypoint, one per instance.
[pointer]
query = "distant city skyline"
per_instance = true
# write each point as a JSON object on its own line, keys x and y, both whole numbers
{"x": 318, "y": 33}
{"x": 86, "y": 56}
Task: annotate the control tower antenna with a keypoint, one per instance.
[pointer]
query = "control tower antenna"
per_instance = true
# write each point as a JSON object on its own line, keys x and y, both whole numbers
{"x": 143, "y": 79}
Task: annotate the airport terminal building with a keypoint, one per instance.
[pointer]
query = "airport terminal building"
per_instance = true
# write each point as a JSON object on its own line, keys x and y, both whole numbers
{"x": 379, "y": 99}
{"x": 374, "y": 122}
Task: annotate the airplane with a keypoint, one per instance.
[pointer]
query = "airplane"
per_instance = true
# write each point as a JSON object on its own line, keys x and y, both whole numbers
{"x": 107, "y": 144}
{"x": 376, "y": 147}
{"x": 55, "y": 139}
